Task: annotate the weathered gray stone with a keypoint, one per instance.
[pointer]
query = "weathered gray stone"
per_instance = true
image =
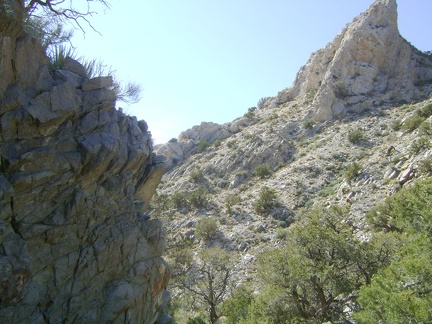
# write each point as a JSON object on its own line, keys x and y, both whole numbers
{"x": 75, "y": 67}
{"x": 76, "y": 175}
{"x": 7, "y": 77}
{"x": 70, "y": 76}
{"x": 12, "y": 99}
{"x": 209, "y": 132}
{"x": 29, "y": 58}
{"x": 98, "y": 99}
{"x": 65, "y": 98}
{"x": 97, "y": 83}
{"x": 361, "y": 66}
{"x": 45, "y": 81}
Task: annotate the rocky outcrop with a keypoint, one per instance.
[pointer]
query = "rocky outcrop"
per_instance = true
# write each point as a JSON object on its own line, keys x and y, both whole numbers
{"x": 75, "y": 178}
{"x": 177, "y": 150}
{"x": 366, "y": 65}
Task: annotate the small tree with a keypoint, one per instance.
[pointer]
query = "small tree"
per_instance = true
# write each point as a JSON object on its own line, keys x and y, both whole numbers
{"x": 412, "y": 123}
{"x": 202, "y": 145}
{"x": 402, "y": 292}
{"x": 198, "y": 198}
{"x": 251, "y": 112}
{"x": 209, "y": 279}
{"x": 262, "y": 171}
{"x": 231, "y": 201}
{"x": 196, "y": 175}
{"x": 352, "y": 171}
{"x": 206, "y": 229}
{"x": 266, "y": 200}
{"x": 237, "y": 307}
{"x": 179, "y": 200}
{"x": 355, "y": 136}
{"x": 312, "y": 278}
{"x": 160, "y": 202}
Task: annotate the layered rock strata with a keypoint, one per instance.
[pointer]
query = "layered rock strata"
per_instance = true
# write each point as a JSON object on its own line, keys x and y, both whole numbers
{"x": 76, "y": 174}
{"x": 368, "y": 64}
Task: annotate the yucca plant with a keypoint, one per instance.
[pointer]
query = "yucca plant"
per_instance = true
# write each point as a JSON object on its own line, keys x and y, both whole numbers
{"x": 58, "y": 54}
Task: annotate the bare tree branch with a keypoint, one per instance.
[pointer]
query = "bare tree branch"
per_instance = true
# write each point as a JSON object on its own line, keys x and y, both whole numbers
{"x": 68, "y": 13}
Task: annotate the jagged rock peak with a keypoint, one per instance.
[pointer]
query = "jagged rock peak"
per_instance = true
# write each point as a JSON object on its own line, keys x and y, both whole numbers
{"x": 367, "y": 64}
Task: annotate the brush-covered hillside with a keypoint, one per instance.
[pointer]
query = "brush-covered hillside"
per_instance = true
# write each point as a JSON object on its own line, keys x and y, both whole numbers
{"x": 293, "y": 211}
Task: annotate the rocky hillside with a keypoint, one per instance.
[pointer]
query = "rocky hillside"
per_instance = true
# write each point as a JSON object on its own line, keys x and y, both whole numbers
{"x": 75, "y": 177}
{"x": 353, "y": 129}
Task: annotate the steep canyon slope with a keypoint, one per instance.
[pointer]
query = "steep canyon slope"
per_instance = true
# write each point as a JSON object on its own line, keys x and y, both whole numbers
{"x": 76, "y": 174}
{"x": 353, "y": 129}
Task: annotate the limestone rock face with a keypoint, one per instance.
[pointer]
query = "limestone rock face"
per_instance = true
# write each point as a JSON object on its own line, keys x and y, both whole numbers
{"x": 75, "y": 177}
{"x": 177, "y": 150}
{"x": 367, "y": 64}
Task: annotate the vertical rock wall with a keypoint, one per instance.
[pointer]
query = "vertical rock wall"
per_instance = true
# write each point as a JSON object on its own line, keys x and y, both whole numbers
{"x": 75, "y": 176}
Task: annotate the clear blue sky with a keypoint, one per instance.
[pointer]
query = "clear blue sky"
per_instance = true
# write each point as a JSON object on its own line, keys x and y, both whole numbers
{"x": 210, "y": 60}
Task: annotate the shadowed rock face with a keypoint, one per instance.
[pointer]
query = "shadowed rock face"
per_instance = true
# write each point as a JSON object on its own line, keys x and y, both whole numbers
{"x": 367, "y": 64}
{"x": 75, "y": 177}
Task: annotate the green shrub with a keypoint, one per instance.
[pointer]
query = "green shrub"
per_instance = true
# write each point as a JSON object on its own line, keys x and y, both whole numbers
{"x": 281, "y": 233}
{"x": 262, "y": 171}
{"x": 196, "y": 320}
{"x": 327, "y": 191}
{"x": 231, "y": 201}
{"x": 198, "y": 198}
{"x": 196, "y": 175}
{"x": 160, "y": 202}
{"x": 402, "y": 292}
{"x": 355, "y": 136}
{"x": 425, "y": 129}
{"x": 352, "y": 171}
{"x": 179, "y": 200}
{"x": 425, "y": 166}
{"x": 341, "y": 89}
{"x": 421, "y": 144}
{"x": 396, "y": 125}
{"x": 425, "y": 111}
{"x": 236, "y": 308}
{"x": 217, "y": 143}
{"x": 412, "y": 123}
{"x": 206, "y": 228}
{"x": 266, "y": 200}
{"x": 58, "y": 56}
{"x": 250, "y": 113}
{"x": 322, "y": 259}
{"x": 232, "y": 143}
{"x": 202, "y": 145}
{"x": 405, "y": 211}
{"x": 308, "y": 124}
{"x": 262, "y": 102}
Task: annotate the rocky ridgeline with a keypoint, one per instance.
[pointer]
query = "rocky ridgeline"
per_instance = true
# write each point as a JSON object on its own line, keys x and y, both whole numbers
{"x": 367, "y": 65}
{"x": 176, "y": 150}
{"x": 75, "y": 177}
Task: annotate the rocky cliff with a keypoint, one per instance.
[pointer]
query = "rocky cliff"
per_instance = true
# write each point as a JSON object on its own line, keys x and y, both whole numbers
{"x": 365, "y": 144}
{"x": 369, "y": 63}
{"x": 75, "y": 178}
